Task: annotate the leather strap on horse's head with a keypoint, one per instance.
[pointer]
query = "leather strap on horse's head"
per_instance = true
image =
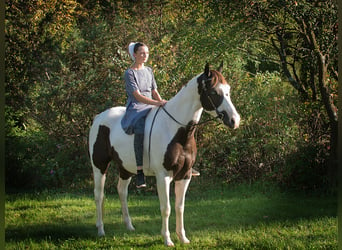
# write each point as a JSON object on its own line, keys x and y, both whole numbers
{"x": 207, "y": 89}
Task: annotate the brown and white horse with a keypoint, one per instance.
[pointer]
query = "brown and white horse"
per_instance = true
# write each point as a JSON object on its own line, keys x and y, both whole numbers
{"x": 170, "y": 150}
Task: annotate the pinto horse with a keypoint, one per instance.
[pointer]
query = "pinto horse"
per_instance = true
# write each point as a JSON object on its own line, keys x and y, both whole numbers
{"x": 170, "y": 148}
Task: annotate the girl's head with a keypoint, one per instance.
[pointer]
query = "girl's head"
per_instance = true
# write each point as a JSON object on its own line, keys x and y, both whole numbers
{"x": 139, "y": 52}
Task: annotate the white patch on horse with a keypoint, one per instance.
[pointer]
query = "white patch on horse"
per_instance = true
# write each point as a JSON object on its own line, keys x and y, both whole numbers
{"x": 227, "y": 106}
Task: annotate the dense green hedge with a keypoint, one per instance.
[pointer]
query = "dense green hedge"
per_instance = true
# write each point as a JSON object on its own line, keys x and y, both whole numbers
{"x": 65, "y": 61}
{"x": 274, "y": 143}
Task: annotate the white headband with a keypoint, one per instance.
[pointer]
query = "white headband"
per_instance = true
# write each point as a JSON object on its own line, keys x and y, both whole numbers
{"x": 131, "y": 50}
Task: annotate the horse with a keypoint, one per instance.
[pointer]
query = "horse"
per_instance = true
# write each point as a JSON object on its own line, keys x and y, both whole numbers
{"x": 169, "y": 150}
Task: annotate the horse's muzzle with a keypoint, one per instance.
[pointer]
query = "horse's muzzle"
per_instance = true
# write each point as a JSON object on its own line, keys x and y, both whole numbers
{"x": 232, "y": 122}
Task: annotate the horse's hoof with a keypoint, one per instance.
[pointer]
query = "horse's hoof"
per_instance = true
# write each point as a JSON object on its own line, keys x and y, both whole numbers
{"x": 169, "y": 243}
{"x": 183, "y": 239}
{"x": 101, "y": 232}
{"x": 130, "y": 228}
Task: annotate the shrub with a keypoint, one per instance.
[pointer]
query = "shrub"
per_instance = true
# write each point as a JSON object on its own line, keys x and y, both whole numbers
{"x": 35, "y": 160}
{"x": 273, "y": 142}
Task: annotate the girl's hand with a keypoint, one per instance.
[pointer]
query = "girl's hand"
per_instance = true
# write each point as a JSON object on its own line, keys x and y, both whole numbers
{"x": 162, "y": 103}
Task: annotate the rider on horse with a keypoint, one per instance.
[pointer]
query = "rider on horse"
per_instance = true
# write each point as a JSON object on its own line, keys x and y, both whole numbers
{"x": 142, "y": 94}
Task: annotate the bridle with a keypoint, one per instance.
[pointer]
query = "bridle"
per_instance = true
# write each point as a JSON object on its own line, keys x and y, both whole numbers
{"x": 205, "y": 92}
{"x": 219, "y": 114}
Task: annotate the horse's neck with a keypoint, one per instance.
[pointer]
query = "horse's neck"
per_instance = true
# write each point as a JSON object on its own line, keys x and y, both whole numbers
{"x": 186, "y": 106}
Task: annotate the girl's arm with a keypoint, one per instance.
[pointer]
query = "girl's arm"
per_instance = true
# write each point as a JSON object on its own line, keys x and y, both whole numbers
{"x": 146, "y": 100}
{"x": 156, "y": 96}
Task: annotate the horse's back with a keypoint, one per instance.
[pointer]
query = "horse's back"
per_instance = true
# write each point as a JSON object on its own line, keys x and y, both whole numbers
{"x": 110, "y": 119}
{"x": 109, "y": 116}
{"x": 107, "y": 135}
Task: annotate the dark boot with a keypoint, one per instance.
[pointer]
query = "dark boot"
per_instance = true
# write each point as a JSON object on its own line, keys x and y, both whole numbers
{"x": 140, "y": 182}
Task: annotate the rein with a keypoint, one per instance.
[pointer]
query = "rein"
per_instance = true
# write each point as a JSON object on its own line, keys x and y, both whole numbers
{"x": 149, "y": 138}
{"x": 184, "y": 125}
{"x": 219, "y": 116}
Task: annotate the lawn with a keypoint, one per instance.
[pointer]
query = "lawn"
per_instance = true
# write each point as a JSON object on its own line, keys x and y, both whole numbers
{"x": 224, "y": 217}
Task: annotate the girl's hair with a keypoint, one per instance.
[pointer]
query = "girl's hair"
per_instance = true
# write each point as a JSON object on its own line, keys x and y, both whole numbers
{"x": 133, "y": 48}
{"x": 137, "y": 46}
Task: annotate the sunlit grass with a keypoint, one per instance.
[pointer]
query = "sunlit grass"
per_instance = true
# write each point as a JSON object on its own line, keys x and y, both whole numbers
{"x": 224, "y": 218}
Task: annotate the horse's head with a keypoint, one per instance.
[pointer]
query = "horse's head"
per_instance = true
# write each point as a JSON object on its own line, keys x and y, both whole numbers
{"x": 214, "y": 94}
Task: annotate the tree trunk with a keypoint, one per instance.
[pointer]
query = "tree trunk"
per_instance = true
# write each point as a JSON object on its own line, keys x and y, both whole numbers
{"x": 330, "y": 109}
{"x": 282, "y": 55}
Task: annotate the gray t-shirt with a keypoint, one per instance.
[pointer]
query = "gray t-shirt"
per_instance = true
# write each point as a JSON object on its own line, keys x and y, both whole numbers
{"x": 142, "y": 80}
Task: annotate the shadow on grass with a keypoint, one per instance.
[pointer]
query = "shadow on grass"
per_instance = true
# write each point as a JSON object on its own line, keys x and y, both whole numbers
{"x": 51, "y": 232}
{"x": 147, "y": 223}
{"x": 57, "y": 232}
{"x": 208, "y": 211}
{"x": 223, "y": 209}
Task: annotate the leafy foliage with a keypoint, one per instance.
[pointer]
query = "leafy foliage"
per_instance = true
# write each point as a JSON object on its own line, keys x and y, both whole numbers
{"x": 66, "y": 61}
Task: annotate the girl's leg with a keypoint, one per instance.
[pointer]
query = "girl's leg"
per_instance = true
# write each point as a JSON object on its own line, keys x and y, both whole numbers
{"x": 139, "y": 151}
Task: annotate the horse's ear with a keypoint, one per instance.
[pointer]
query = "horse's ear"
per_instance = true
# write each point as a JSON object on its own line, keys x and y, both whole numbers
{"x": 220, "y": 67}
{"x": 206, "y": 70}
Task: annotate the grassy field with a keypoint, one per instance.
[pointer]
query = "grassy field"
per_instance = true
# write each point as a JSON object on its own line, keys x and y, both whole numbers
{"x": 221, "y": 217}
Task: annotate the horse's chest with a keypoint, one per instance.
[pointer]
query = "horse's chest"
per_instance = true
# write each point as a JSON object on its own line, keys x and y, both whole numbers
{"x": 181, "y": 153}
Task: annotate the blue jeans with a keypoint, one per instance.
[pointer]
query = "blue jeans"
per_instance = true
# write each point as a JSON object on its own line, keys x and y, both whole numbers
{"x": 139, "y": 129}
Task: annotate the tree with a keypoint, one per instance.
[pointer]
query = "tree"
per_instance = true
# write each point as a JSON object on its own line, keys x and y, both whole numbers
{"x": 65, "y": 61}
{"x": 32, "y": 30}
{"x": 304, "y": 35}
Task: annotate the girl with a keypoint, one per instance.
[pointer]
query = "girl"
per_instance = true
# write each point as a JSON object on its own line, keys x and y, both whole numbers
{"x": 142, "y": 94}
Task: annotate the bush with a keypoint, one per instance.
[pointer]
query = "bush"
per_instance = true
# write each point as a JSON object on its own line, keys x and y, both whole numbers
{"x": 70, "y": 66}
{"x": 273, "y": 142}
{"x": 35, "y": 160}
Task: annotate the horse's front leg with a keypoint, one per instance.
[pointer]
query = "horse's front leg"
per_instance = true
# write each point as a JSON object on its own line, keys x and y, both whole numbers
{"x": 163, "y": 186}
{"x": 123, "y": 192}
{"x": 180, "y": 190}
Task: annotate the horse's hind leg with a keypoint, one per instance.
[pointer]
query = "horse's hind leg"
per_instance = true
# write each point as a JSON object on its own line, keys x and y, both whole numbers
{"x": 99, "y": 181}
{"x": 123, "y": 191}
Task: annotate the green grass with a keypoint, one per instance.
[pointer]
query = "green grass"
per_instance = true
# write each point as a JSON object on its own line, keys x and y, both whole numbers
{"x": 221, "y": 217}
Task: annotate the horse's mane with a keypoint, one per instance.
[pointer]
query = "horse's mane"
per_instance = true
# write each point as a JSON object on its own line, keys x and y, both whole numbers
{"x": 217, "y": 77}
